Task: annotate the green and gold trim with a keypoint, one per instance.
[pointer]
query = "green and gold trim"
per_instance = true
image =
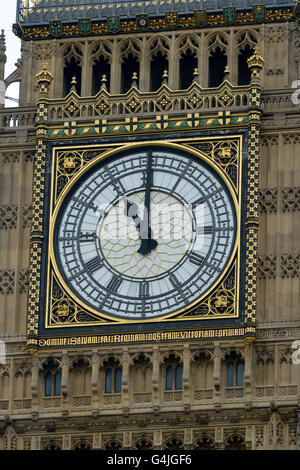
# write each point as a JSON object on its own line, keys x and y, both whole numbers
{"x": 170, "y": 21}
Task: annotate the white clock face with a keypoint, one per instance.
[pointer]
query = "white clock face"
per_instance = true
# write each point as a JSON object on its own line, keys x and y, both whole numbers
{"x": 145, "y": 233}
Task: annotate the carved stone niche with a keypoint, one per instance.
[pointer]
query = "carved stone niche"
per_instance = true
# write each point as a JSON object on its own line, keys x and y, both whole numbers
{"x": 266, "y": 267}
{"x": 267, "y": 200}
{"x": 8, "y": 216}
{"x": 290, "y": 197}
{"x": 290, "y": 265}
{"x": 7, "y": 281}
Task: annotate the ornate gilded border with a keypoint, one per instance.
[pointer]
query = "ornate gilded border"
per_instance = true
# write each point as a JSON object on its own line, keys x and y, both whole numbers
{"x": 220, "y": 302}
{"x": 29, "y": 32}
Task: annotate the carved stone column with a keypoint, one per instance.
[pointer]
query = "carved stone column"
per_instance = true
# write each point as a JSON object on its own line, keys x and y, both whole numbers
{"x": 34, "y": 384}
{"x": 2, "y": 68}
{"x": 186, "y": 375}
{"x": 298, "y": 429}
{"x": 248, "y": 372}
{"x": 125, "y": 371}
{"x": 64, "y": 380}
{"x": 157, "y": 440}
{"x": 217, "y": 374}
{"x": 155, "y": 377}
{"x": 219, "y": 438}
{"x": 188, "y": 438}
{"x": 95, "y": 381}
{"x": 115, "y": 81}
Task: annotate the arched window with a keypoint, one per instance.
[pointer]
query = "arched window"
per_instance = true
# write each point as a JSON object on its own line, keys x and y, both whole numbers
{"x": 188, "y": 63}
{"x": 113, "y": 376}
{"x": 57, "y": 383}
{"x": 234, "y": 370}
{"x": 72, "y": 69}
{"x": 101, "y": 67}
{"x": 169, "y": 377}
{"x": 173, "y": 371}
{"x": 217, "y": 64}
{"x": 52, "y": 378}
{"x": 244, "y": 73}
{"x": 48, "y": 384}
{"x": 130, "y": 65}
{"x": 118, "y": 380}
{"x": 108, "y": 381}
{"x": 178, "y": 377}
{"x": 159, "y": 63}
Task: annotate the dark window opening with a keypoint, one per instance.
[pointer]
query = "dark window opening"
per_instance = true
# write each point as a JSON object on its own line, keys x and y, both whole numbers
{"x": 108, "y": 381}
{"x": 72, "y": 69}
{"x": 101, "y": 67}
{"x": 188, "y": 64}
{"x": 244, "y": 73}
{"x": 217, "y": 64}
{"x": 158, "y": 65}
{"x": 48, "y": 384}
{"x": 169, "y": 378}
{"x": 235, "y": 370}
{"x": 130, "y": 66}
{"x": 118, "y": 380}
{"x": 53, "y": 384}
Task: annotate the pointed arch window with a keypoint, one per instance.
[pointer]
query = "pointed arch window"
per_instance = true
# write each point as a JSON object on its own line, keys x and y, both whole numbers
{"x": 217, "y": 64}
{"x": 48, "y": 384}
{"x": 159, "y": 63}
{"x": 101, "y": 67}
{"x": 130, "y": 65}
{"x": 188, "y": 63}
{"x": 173, "y": 374}
{"x": 113, "y": 377}
{"x": 244, "y": 73}
{"x": 235, "y": 367}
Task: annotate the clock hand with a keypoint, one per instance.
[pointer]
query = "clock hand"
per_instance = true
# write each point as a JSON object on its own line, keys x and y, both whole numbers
{"x": 148, "y": 244}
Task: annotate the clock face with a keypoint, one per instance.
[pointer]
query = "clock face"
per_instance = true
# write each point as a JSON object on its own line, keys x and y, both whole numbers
{"x": 145, "y": 233}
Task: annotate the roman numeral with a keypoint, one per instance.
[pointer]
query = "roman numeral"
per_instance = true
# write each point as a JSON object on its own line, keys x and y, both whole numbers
{"x": 87, "y": 237}
{"x": 114, "y": 284}
{"x": 143, "y": 289}
{"x": 195, "y": 258}
{"x": 204, "y": 230}
{"x": 94, "y": 264}
{"x": 174, "y": 281}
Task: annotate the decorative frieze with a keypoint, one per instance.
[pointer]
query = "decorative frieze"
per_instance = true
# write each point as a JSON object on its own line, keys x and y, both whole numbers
{"x": 7, "y": 280}
{"x": 289, "y": 266}
{"x": 8, "y": 216}
{"x": 266, "y": 267}
{"x": 289, "y": 199}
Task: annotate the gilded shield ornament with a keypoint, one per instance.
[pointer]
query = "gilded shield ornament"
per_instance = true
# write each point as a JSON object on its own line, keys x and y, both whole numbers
{"x": 114, "y": 23}
{"x": 229, "y": 14}
{"x": 55, "y": 27}
{"x": 200, "y": 17}
{"x": 85, "y": 25}
{"x": 259, "y": 12}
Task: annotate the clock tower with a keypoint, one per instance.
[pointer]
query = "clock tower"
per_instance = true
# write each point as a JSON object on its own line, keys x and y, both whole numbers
{"x": 149, "y": 220}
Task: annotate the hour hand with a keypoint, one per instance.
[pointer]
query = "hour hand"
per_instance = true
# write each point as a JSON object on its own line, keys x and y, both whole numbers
{"x": 145, "y": 234}
{"x": 148, "y": 244}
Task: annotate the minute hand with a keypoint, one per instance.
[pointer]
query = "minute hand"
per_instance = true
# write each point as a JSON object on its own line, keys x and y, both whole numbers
{"x": 147, "y": 244}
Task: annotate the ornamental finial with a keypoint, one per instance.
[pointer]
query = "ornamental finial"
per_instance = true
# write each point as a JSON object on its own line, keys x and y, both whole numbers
{"x": 44, "y": 79}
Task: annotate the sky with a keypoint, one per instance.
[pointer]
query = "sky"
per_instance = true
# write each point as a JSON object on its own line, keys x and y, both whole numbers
{"x": 13, "y": 44}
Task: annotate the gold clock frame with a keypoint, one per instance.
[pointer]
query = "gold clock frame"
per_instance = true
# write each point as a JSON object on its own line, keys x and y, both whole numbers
{"x": 185, "y": 314}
